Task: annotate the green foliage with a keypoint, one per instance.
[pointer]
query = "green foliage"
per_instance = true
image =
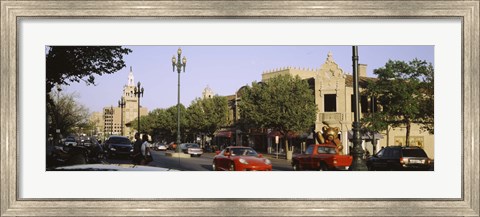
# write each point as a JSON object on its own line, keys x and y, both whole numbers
{"x": 405, "y": 93}
{"x": 207, "y": 115}
{"x": 75, "y": 63}
{"x": 203, "y": 116}
{"x": 162, "y": 123}
{"x": 282, "y": 103}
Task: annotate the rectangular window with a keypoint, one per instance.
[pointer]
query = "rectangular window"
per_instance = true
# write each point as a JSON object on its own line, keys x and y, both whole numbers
{"x": 364, "y": 104}
{"x": 330, "y": 102}
{"x": 373, "y": 105}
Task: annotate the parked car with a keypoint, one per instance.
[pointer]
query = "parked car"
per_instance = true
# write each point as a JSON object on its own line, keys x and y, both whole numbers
{"x": 239, "y": 158}
{"x": 162, "y": 147}
{"x": 70, "y": 141}
{"x": 96, "y": 152}
{"x": 321, "y": 157}
{"x": 118, "y": 146}
{"x": 399, "y": 158}
{"x": 67, "y": 155}
{"x": 172, "y": 146}
{"x": 192, "y": 149}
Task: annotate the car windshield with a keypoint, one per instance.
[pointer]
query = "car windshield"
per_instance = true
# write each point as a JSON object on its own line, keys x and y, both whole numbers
{"x": 192, "y": 146}
{"x": 309, "y": 149}
{"x": 70, "y": 139}
{"x": 244, "y": 151}
{"x": 119, "y": 140}
{"x": 413, "y": 153}
{"x": 326, "y": 150}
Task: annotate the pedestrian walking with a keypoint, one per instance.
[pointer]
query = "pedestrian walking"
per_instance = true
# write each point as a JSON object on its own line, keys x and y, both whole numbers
{"x": 137, "y": 146}
{"x": 145, "y": 151}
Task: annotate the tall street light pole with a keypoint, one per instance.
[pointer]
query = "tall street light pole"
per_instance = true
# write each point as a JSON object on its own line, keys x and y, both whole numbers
{"x": 121, "y": 104}
{"x": 358, "y": 163}
{"x": 179, "y": 65}
{"x": 111, "y": 123}
{"x": 138, "y": 91}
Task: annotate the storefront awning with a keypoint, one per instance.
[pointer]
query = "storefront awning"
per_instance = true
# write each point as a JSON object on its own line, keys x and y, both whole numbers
{"x": 223, "y": 133}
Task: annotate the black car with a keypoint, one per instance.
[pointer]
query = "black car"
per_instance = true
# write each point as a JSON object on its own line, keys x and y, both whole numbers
{"x": 118, "y": 146}
{"x": 399, "y": 158}
{"x": 95, "y": 150}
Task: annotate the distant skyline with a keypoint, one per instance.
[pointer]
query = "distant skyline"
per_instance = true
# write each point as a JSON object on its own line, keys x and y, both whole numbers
{"x": 224, "y": 69}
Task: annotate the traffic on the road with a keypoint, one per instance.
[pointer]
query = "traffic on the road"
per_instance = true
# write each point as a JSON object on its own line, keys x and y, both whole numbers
{"x": 116, "y": 153}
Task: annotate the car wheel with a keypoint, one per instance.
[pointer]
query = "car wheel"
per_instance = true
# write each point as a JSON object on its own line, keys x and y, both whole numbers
{"x": 323, "y": 167}
{"x": 232, "y": 166}
{"x": 296, "y": 167}
{"x": 101, "y": 157}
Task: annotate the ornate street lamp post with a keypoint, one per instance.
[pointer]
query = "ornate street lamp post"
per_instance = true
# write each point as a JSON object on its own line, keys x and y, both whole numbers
{"x": 358, "y": 163}
{"x": 179, "y": 64}
{"x": 121, "y": 104}
{"x": 111, "y": 122}
{"x": 138, "y": 91}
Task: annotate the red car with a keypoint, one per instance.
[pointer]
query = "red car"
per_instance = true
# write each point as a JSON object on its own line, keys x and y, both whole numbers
{"x": 321, "y": 157}
{"x": 239, "y": 158}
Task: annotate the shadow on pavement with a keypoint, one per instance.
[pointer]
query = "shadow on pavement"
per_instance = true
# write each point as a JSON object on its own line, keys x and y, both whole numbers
{"x": 207, "y": 167}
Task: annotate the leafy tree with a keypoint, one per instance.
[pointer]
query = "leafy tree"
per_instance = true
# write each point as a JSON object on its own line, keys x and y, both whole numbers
{"x": 163, "y": 123}
{"x": 80, "y": 63}
{"x": 66, "y": 114}
{"x": 283, "y": 103}
{"x": 205, "y": 116}
{"x": 66, "y": 64}
{"x": 405, "y": 94}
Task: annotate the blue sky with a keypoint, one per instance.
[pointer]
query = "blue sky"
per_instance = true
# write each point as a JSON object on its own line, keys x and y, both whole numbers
{"x": 224, "y": 69}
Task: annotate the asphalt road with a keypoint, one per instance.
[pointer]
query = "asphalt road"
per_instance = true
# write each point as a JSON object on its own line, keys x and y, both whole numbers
{"x": 202, "y": 163}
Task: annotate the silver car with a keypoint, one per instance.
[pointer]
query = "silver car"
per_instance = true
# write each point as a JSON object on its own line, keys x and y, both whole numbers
{"x": 161, "y": 147}
{"x": 192, "y": 149}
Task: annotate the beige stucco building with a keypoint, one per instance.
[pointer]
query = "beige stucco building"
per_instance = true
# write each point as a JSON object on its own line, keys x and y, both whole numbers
{"x": 333, "y": 89}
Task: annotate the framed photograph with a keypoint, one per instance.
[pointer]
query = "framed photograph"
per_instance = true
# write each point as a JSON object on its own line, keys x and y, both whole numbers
{"x": 207, "y": 31}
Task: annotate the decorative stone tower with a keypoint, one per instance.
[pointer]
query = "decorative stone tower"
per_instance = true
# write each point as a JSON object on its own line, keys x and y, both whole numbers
{"x": 131, "y": 104}
{"x": 207, "y": 93}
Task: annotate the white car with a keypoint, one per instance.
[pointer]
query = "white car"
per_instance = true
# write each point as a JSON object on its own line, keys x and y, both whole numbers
{"x": 192, "y": 149}
{"x": 70, "y": 141}
{"x": 162, "y": 147}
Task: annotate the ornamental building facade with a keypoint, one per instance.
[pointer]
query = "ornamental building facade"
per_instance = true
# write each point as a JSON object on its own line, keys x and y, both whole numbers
{"x": 333, "y": 90}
